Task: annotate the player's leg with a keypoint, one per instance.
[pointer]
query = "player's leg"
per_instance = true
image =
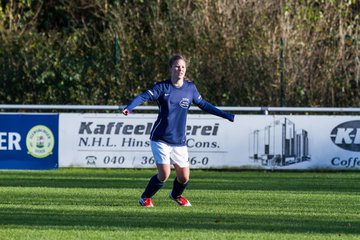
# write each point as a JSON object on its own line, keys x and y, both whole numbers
{"x": 180, "y": 183}
{"x": 180, "y": 160}
{"x": 181, "y": 180}
{"x": 164, "y": 171}
{"x": 161, "y": 154}
{"x": 157, "y": 181}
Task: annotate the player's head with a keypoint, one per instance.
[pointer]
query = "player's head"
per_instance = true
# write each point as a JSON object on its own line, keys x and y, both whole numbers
{"x": 178, "y": 65}
{"x": 177, "y": 57}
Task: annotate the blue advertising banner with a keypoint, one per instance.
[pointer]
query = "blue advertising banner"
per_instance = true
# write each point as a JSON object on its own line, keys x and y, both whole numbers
{"x": 28, "y": 141}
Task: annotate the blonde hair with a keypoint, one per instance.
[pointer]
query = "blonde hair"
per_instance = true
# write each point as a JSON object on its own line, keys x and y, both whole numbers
{"x": 177, "y": 57}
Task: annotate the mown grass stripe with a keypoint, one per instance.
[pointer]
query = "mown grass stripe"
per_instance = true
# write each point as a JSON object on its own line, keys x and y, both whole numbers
{"x": 102, "y": 204}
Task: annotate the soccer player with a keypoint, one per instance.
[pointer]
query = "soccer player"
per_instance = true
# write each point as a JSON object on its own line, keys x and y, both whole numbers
{"x": 168, "y": 135}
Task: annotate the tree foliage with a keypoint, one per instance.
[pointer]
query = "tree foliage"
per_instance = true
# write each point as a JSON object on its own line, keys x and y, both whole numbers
{"x": 105, "y": 52}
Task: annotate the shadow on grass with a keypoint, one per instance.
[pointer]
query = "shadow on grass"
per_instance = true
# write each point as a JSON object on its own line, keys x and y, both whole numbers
{"x": 200, "y": 180}
{"x": 75, "y": 178}
{"x": 82, "y": 190}
{"x": 148, "y": 218}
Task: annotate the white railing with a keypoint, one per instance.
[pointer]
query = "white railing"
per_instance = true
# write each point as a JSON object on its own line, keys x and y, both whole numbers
{"x": 264, "y": 110}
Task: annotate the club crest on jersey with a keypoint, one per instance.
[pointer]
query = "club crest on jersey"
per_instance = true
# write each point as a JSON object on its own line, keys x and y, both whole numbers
{"x": 184, "y": 103}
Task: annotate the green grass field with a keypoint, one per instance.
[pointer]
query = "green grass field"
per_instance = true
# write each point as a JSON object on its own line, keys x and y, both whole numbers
{"x": 103, "y": 204}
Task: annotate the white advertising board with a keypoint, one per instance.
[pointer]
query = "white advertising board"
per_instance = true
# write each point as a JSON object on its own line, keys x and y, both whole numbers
{"x": 280, "y": 142}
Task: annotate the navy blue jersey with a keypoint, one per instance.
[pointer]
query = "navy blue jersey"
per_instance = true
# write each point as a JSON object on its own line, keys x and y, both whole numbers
{"x": 174, "y": 103}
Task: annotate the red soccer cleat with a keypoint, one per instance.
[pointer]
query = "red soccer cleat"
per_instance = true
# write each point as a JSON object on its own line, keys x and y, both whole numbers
{"x": 182, "y": 201}
{"x": 146, "y": 202}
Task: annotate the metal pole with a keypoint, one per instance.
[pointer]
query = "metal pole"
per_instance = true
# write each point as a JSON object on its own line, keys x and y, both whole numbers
{"x": 263, "y": 110}
{"x": 282, "y": 87}
{"x": 116, "y": 49}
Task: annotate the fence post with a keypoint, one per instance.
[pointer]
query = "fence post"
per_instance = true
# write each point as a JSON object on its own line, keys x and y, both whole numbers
{"x": 282, "y": 83}
{"x": 116, "y": 49}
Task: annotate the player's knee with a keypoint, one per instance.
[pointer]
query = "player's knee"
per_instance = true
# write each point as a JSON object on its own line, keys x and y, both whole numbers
{"x": 163, "y": 177}
{"x": 183, "y": 179}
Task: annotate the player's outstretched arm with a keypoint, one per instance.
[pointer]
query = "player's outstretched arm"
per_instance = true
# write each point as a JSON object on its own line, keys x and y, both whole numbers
{"x": 138, "y": 100}
{"x": 208, "y": 107}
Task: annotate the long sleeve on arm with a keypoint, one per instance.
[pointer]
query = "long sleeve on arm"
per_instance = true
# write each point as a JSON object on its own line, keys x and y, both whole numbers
{"x": 138, "y": 100}
{"x": 208, "y": 107}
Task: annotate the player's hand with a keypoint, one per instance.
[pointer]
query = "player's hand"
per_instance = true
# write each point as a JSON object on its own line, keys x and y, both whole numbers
{"x": 126, "y": 112}
{"x": 231, "y": 117}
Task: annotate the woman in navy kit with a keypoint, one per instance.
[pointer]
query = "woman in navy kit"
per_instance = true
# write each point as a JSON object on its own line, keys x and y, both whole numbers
{"x": 168, "y": 135}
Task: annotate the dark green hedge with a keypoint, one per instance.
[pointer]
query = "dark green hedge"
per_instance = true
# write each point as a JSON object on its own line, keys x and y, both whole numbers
{"x": 66, "y": 52}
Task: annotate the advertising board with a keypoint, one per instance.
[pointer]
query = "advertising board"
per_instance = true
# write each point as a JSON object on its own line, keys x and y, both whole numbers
{"x": 28, "y": 141}
{"x": 112, "y": 140}
{"x": 283, "y": 142}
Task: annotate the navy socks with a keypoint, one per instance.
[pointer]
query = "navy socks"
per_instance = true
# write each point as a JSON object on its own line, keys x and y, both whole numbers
{"x": 153, "y": 186}
{"x": 178, "y": 189}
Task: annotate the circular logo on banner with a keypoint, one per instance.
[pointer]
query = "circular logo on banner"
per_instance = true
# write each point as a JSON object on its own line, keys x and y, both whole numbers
{"x": 40, "y": 141}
